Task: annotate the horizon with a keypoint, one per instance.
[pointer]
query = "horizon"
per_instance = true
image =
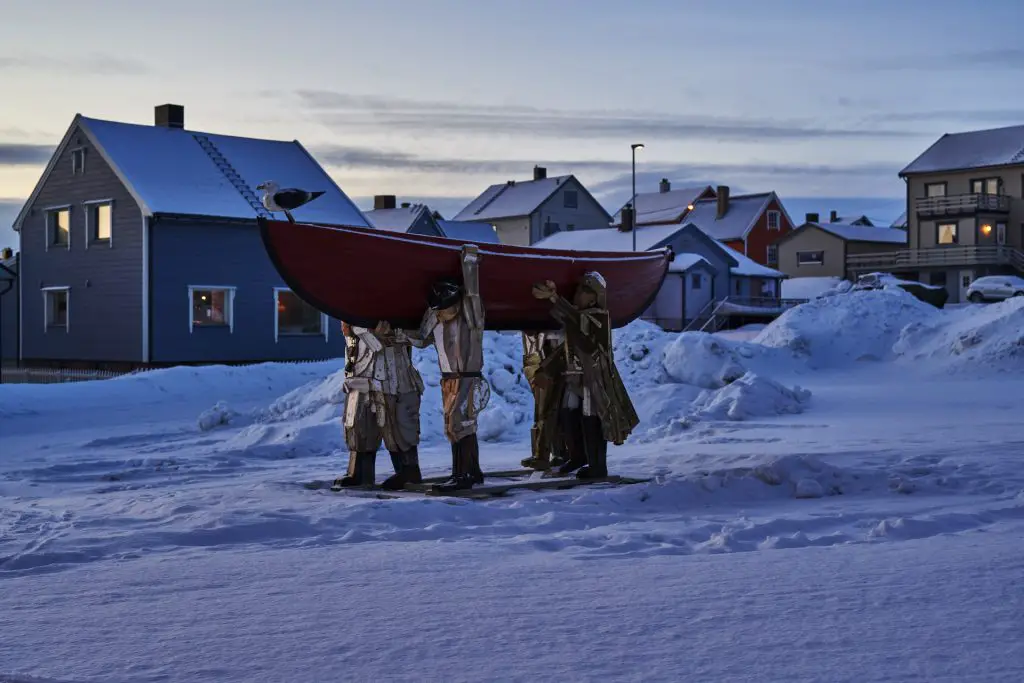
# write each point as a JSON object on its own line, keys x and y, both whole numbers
{"x": 450, "y": 112}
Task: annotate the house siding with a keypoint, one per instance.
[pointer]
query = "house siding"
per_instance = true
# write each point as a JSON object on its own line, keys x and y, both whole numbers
{"x": 588, "y": 214}
{"x": 684, "y": 243}
{"x": 813, "y": 239}
{"x": 97, "y": 274}
{"x": 760, "y": 236}
{"x": 514, "y": 231}
{"x": 222, "y": 254}
{"x": 8, "y": 319}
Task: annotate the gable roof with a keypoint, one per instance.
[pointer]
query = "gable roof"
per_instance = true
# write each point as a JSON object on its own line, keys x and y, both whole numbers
{"x": 861, "y": 219}
{"x": 854, "y": 233}
{"x": 663, "y": 207}
{"x": 474, "y": 231}
{"x": 400, "y": 219}
{"x": 611, "y": 239}
{"x": 684, "y": 262}
{"x": 740, "y": 217}
{"x": 173, "y": 171}
{"x": 973, "y": 149}
{"x": 900, "y": 222}
{"x": 514, "y": 198}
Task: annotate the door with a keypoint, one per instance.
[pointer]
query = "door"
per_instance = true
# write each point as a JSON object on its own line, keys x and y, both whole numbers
{"x": 966, "y": 278}
{"x": 668, "y": 305}
{"x": 1000, "y": 234}
{"x": 698, "y": 293}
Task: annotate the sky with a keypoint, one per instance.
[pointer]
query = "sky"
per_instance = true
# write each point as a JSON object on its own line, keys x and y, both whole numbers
{"x": 823, "y": 101}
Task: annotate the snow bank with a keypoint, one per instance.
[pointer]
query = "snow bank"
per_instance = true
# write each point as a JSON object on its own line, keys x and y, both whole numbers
{"x": 808, "y": 287}
{"x": 750, "y": 396}
{"x": 702, "y": 360}
{"x": 856, "y": 326}
{"x": 986, "y": 337}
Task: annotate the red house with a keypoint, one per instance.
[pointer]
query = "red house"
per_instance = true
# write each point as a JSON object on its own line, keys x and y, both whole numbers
{"x": 749, "y": 223}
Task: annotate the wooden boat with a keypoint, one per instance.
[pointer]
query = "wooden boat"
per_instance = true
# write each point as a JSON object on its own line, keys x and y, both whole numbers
{"x": 362, "y": 275}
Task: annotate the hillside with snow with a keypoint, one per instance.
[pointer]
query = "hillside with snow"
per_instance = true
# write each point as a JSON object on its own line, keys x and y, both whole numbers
{"x": 837, "y": 496}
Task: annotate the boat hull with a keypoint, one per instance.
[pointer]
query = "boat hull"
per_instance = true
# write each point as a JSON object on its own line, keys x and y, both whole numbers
{"x": 363, "y": 275}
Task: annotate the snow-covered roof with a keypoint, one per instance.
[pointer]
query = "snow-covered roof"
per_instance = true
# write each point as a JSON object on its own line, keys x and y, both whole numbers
{"x": 860, "y": 219}
{"x": 739, "y": 218}
{"x": 663, "y": 207}
{"x": 683, "y": 262}
{"x": 511, "y": 199}
{"x": 864, "y": 233}
{"x": 399, "y": 219}
{"x": 900, "y": 222}
{"x": 186, "y": 172}
{"x": 748, "y": 267}
{"x": 973, "y": 149}
{"x": 482, "y": 233}
{"x": 610, "y": 239}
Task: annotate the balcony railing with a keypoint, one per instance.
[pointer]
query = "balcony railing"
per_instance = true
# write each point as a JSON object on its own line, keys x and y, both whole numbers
{"x": 938, "y": 256}
{"x": 959, "y": 204}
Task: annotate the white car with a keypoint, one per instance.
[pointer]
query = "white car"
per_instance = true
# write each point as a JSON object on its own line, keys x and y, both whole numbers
{"x": 995, "y": 288}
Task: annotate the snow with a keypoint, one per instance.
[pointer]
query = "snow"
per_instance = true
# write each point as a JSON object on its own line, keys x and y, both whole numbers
{"x": 683, "y": 262}
{"x": 749, "y": 267}
{"x": 837, "y": 498}
{"x": 171, "y": 173}
{"x": 481, "y": 233}
{"x": 864, "y": 233}
{"x": 743, "y": 212}
{"x": 511, "y": 199}
{"x": 663, "y": 207}
{"x": 611, "y": 239}
{"x": 808, "y": 287}
{"x": 972, "y": 149}
{"x": 399, "y": 219}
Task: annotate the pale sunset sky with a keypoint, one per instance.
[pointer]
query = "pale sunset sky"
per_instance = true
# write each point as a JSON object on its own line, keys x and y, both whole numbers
{"x": 822, "y": 101}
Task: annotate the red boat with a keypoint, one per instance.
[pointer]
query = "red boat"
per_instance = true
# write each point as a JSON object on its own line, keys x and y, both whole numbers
{"x": 362, "y": 275}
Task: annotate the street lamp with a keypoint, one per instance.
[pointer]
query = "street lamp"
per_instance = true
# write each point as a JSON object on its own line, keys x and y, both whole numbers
{"x": 634, "y": 147}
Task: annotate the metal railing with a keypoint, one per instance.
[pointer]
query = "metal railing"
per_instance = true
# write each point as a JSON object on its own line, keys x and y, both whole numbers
{"x": 938, "y": 256}
{"x": 962, "y": 203}
{"x": 711, "y": 317}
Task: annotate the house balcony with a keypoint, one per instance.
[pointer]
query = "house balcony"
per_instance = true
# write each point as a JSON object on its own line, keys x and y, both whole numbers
{"x": 936, "y": 257}
{"x": 962, "y": 205}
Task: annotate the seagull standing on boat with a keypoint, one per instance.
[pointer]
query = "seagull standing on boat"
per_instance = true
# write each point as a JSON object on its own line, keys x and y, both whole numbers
{"x": 287, "y": 200}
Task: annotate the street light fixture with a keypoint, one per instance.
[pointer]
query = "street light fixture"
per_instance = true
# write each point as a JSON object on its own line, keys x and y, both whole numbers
{"x": 634, "y": 147}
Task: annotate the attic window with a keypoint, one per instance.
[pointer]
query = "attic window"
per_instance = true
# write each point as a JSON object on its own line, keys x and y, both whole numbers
{"x": 571, "y": 199}
{"x": 78, "y": 161}
{"x": 774, "y": 220}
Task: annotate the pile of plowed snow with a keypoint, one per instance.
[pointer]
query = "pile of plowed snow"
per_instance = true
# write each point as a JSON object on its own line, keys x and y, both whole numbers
{"x": 974, "y": 338}
{"x": 855, "y": 326}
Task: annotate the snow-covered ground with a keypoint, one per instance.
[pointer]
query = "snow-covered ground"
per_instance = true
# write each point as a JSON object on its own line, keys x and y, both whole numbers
{"x": 836, "y": 497}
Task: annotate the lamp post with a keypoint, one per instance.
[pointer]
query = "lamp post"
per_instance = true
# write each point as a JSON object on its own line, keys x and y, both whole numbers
{"x": 634, "y": 147}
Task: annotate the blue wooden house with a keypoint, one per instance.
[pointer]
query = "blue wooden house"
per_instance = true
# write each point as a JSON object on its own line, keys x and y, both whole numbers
{"x": 139, "y": 247}
{"x": 8, "y": 307}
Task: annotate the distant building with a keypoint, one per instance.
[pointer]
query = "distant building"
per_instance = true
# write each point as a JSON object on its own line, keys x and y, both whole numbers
{"x": 410, "y": 218}
{"x": 817, "y": 249}
{"x": 666, "y": 206}
{"x": 139, "y": 246}
{"x": 525, "y": 212}
{"x": 8, "y": 307}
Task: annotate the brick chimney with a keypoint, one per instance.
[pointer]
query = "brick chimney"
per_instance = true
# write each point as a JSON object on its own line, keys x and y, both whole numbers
{"x": 626, "y": 224}
{"x": 833, "y": 216}
{"x": 811, "y": 218}
{"x": 384, "y": 201}
{"x": 169, "y": 116}
{"x": 723, "y": 201}
{"x": 540, "y": 173}
{"x": 664, "y": 186}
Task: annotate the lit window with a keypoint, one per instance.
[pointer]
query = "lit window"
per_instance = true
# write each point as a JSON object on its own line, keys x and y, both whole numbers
{"x": 211, "y": 306}
{"x": 948, "y": 233}
{"x": 296, "y": 317}
{"x": 101, "y": 222}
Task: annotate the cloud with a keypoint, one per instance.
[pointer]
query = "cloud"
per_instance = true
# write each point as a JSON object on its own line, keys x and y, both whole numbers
{"x": 21, "y": 154}
{"x": 93, "y": 65}
{"x": 1009, "y": 58}
{"x": 396, "y": 114}
{"x": 1007, "y": 116}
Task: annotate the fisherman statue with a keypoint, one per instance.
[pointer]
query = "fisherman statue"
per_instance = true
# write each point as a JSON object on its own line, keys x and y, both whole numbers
{"x": 383, "y": 403}
{"x": 547, "y": 447}
{"x": 594, "y": 400}
{"x": 454, "y": 323}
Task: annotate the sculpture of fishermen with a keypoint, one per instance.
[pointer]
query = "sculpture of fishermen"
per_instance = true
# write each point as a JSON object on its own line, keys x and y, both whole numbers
{"x": 383, "y": 403}
{"x": 546, "y": 443}
{"x": 595, "y": 401}
{"x": 454, "y": 323}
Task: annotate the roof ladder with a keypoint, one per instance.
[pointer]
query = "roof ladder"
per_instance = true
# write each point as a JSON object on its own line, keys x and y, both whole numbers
{"x": 233, "y": 177}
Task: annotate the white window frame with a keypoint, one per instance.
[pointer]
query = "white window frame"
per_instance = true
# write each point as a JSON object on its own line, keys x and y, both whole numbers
{"x": 768, "y": 254}
{"x": 821, "y": 262}
{"x": 80, "y": 153}
{"x": 89, "y": 210}
{"x": 46, "y": 307}
{"x": 277, "y": 330}
{"x": 229, "y": 304}
{"x": 47, "y": 213}
{"x": 777, "y": 215}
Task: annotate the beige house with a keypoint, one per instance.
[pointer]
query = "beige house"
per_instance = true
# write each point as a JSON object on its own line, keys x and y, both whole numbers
{"x": 965, "y": 212}
{"x": 821, "y": 249}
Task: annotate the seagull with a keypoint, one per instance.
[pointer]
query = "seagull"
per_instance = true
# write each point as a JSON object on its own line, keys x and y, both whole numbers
{"x": 287, "y": 200}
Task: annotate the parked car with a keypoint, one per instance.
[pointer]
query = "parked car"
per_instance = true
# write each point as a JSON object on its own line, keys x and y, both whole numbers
{"x": 930, "y": 294}
{"x": 995, "y": 288}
